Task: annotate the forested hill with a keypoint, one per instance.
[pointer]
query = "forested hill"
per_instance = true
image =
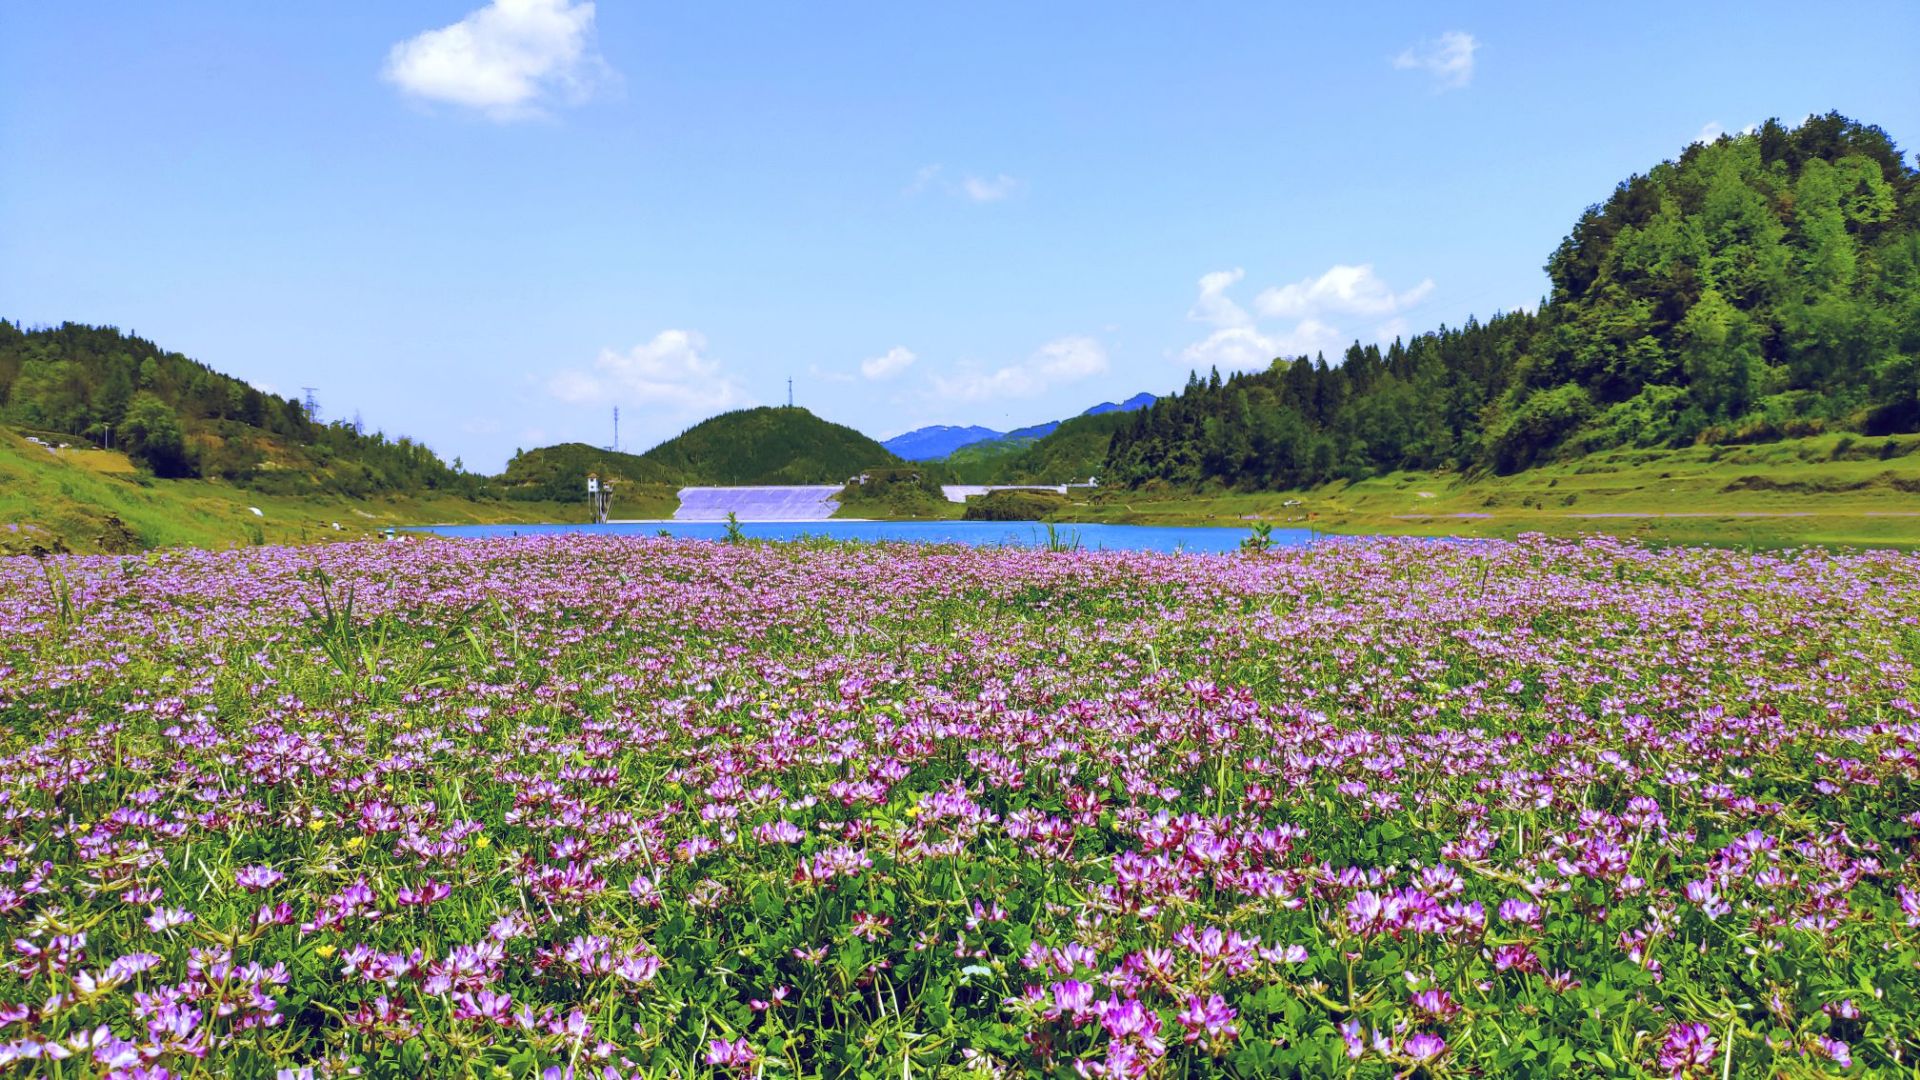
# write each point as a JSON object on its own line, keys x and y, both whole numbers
{"x": 768, "y": 446}
{"x": 181, "y": 418}
{"x": 1765, "y": 285}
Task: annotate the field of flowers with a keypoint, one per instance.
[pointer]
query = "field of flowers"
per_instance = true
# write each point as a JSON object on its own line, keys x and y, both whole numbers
{"x": 615, "y": 808}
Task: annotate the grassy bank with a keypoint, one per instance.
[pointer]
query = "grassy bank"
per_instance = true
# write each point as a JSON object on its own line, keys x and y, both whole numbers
{"x": 1834, "y": 490}
{"x": 93, "y": 501}
{"x": 1824, "y": 490}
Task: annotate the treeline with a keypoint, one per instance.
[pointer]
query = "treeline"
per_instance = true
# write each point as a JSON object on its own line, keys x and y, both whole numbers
{"x": 181, "y": 418}
{"x": 1766, "y": 285}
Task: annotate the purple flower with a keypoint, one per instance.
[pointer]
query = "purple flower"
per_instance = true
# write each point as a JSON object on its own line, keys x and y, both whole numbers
{"x": 1687, "y": 1047}
{"x": 1424, "y": 1047}
{"x": 255, "y": 878}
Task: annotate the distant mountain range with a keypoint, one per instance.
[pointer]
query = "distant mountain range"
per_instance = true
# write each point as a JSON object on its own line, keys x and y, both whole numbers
{"x": 929, "y": 443}
{"x": 941, "y": 440}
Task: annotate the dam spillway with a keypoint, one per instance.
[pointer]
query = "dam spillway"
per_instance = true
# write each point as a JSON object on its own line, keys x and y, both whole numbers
{"x": 799, "y": 502}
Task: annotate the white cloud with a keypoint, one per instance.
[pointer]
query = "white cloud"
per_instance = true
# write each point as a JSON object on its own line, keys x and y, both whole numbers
{"x": 1711, "y": 130}
{"x": 1213, "y": 306}
{"x": 1240, "y": 343}
{"x": 1342, "y": 289}
{"x": 981, "y": 189}
{"x": 818, "y": 372}
{"x": 1231, "y": 348}
{"x": 671, "y": 370}
{"x": 1063, "y": 360}
{"x": 888, "y": 364}
{"x": 506, "y": 60}
{"x": 1448, "y": 58}
{"x": 922, "y": 177}
{"x": 1246, "y": 348}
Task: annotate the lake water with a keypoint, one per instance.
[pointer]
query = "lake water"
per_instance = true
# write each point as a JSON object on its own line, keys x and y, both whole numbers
{"x": 1197, "y": 539}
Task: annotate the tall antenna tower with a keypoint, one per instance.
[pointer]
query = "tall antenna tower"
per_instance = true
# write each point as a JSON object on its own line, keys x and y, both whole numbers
{"x": 616, "y": 430}
{"x": 312, "y": 404}
{"x": 789, "y": 391}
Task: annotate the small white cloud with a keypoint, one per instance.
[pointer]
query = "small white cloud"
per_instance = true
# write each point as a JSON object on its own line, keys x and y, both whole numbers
{"x": 1448, "y": 58}
{"x": 979, "y": 189}
{"x": 817, "y": 372}
{"x": 888, "y": 364}
{"x": 982, "y": 189}
{"x": 1063, "y": 360}
{"x": 1070, "y": 358}
{"x": 923, "y": 177}
{"x": 1213, "y": 306}
{"x": 1231, "y": 348}
{"x": 1246, "y": 348}
{"x": 506, "y": 60}
{"x": 672, "y": 370}
{"x": 1342, "y": 289}
{"x": 1711, "y": 131}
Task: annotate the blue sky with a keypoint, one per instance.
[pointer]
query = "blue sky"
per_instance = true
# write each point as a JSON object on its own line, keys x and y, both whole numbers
{"x": 485, "y": 226}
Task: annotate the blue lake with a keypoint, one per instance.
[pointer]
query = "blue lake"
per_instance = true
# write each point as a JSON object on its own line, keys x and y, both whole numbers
{"x": 1198, "y": 539}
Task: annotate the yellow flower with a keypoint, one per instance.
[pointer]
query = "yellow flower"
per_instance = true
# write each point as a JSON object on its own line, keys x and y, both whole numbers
{"x": 355, "y": 843}
{"x": 481, "y": 842}
{"x": 316, "y": 825}
{"x": 324, "y": 952}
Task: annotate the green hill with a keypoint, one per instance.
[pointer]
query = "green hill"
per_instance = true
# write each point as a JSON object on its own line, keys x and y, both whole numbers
{"x": 768, "y": 446}
{"x": 987, "y": 461}
{"x": 559, "y": 474}
{"x": 1071, "y": 452}
{"x": 180, "y": 419}
{"x": 78, "y": 498}
{"x": 1761, "y": 287}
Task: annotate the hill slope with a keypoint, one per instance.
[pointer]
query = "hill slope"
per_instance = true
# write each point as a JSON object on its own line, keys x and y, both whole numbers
{"x": 768, "y": 446}
{"x": 989, "y": 461}
{"x": 1073, "y": 451}
{"x": 178, "y": 418}
{"x": 559, "y": 472}
{"x": 1759, "y": 287}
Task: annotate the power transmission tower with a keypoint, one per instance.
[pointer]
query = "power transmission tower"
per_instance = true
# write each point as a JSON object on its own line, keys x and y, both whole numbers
{"x": 312, "y": 404}
{"x": 616, "y": 430}
{"x": 789, "y": 391}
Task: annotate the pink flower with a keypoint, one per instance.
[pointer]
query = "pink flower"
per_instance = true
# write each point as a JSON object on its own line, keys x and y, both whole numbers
{"x": 737, "y": 1054}
{"x": 1210, "y": 1019}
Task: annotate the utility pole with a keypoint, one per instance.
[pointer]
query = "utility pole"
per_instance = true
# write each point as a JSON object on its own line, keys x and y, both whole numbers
{"x": 312, "y": 404}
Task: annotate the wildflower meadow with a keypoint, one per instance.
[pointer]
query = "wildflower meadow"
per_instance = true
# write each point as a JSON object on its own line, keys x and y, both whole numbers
{"x": 616, "y": 807}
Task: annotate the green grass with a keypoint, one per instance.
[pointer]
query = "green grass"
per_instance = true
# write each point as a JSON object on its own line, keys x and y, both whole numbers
{"x": 93, "y": 501}
{"x": 1829, "y": 489}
